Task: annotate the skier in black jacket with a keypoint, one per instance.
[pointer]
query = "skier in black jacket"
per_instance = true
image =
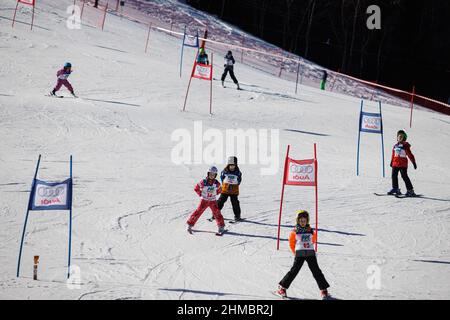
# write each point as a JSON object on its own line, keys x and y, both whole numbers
{"x": 229, "y": 66}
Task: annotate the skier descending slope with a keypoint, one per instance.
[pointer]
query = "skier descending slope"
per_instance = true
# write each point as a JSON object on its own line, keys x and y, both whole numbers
{"x": 62, "y": 75}
{"x": 399, "y": 163}
{"x": 208, "y": 189}
{"x": 229, "y": 67}
{"x": 301, "y": 242}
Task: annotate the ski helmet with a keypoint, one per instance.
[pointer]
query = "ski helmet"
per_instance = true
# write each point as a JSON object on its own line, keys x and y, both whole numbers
{"x": 232, "y": 160}
{"x": 302, "y": 214}
{"x": 212, "y": 170}
{"x": 67, "y": 65}
{"x": 403, "y": 133}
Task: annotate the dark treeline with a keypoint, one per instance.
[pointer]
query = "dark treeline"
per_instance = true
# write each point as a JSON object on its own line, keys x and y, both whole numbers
{"x": 412, "y": 47}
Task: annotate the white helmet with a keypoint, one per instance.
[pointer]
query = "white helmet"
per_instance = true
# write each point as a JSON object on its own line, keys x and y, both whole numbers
{"x": 213, "y": 170}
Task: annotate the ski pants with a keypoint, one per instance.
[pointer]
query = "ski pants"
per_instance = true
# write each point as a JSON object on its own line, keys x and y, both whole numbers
{"x": 322, "y": 84}
{"x": 234, "y": 202}
{"x": 404, "y": 174}
{"x": 313, "y": 266}
{"x": 231, "y": 71}
{"x": 65, "y": 83}
{"x": 204, "y": 204}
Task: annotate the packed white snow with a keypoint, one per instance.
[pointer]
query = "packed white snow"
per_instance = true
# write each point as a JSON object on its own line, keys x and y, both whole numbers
{"x": 131, "y": 200}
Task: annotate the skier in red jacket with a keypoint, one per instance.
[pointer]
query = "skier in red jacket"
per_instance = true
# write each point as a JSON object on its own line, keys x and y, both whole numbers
{"x": 208, "y": 189}
{"x": 399, "y": 163}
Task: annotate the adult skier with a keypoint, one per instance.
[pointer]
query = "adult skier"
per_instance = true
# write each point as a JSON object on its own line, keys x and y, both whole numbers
{"x": 207, "y": 189}
{"x": 301, "y": 242}
{"x": 229, "y": 68}
{"x": 399, "y": 163}
{"x": 62, "y": 75}
{"x": 231, "y": 178}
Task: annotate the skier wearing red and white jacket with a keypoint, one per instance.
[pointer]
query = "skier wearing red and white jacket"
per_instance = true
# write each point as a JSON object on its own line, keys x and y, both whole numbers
{"x": 399, "y": 163}
{"x": 208, "y": 189}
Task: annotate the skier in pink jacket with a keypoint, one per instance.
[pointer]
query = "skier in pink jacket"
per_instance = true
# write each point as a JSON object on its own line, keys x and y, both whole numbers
{"x": 62, "y": 75}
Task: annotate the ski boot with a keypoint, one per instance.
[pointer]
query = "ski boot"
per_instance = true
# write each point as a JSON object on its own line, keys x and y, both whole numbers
{"x": 53, "y": 93}
{"x": 189, "y": 229}
{"x": 223, "y": 84}
{"x": 238, "y": 87}
{"x": 410, "y": 194}
{"x": 221, "y": 230}
{"x": 73, "y": 94}
{"x": 325, "y": 295}
{"x": 395, "y": 192}
{"x": 281, "y": 292}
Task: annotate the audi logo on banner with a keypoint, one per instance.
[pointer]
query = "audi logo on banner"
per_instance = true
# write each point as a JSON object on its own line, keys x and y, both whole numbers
{"x": 50, "y": 192}
{"x": 303, "y": 169}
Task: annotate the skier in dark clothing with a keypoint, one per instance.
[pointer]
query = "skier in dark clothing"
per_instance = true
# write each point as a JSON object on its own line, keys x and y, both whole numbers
{"x": 324, "y": 80}
{"x": 202, "y": 57}
{"x": 229, "y": 67}
{"x": 301, "y": 242}
{"x": 231, "y": 178}
{"x": 399, "y": 163}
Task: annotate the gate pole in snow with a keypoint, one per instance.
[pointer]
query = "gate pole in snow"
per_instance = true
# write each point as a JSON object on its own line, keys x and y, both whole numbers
{"x": 70, "y": 222}
{"x": 359, "y": 138}
{"x": 282, "y": 197}
{"x": 148, "y": 36}
{"x": 382, "y": 141}
{"x": 210, "y": 90}
{"x": 26, "y": 216}
{"x": 316, "y": 191}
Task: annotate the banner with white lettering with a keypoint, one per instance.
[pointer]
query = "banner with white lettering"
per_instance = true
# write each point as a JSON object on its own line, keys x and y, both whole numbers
{"x": 202, "y": 71}
{"x": 371, "y": 123}
{"x": 300, "y": 172}
{"x": 51, "y": 196}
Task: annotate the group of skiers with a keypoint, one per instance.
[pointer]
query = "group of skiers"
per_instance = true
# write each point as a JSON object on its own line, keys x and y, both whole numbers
{"x": 302, "y": 237}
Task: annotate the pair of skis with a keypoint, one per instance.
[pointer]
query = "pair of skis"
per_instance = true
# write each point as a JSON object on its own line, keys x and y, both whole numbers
{"x": 398, "y": 196}
{"x": 218, "y": 233}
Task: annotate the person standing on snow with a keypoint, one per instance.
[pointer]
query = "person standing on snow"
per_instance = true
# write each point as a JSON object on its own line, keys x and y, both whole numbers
{"x": 324, "y": 80}
{"x": 62, "y": 75}
{"x": 229, "y": 67}
{"x": 231, "y": 178}
{"x": 399, "y": 163}
{"x": 202, "y": 57}
{"x": 208, "y": 189}
{"x": 301, "y": 242}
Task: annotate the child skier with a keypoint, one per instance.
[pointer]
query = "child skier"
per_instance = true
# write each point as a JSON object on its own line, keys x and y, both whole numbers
{"x": 208, "y": 189}
{"x": 399, "y": 163}
{"x": 301, "y": 242}
{"x": 202, "y": 56}
{"x": 229, "y": 67}
{"x": 231, "y": 178}
{"x": 62, "y": 75}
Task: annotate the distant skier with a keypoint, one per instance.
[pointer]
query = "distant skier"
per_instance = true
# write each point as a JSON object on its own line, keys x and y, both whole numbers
{"x": 231, "y": 178}
{"x": 208, "y": 189}
{"x": 229, "y": 67}
{"x": 202, "y": 57}
{"x": 301, "y": 242}
{"x": 324, "y": 80}
{"x": 399, "y": 163}
{"x": 62, "y": 75}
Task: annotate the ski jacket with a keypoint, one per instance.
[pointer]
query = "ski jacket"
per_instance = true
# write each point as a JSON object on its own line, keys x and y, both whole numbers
{"x": 400, "y": 154}
{"x": 208, "y": 189}
{"x": 301, "y": 241}
{"x": 63, "y": 74}
{"x": 229, "y": 61}
{"x": 203, "y": 59}
{"x": 231, "y": 181}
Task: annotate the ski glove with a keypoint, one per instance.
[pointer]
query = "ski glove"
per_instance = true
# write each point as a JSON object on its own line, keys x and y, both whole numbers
{"x": 415, "y": 166}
